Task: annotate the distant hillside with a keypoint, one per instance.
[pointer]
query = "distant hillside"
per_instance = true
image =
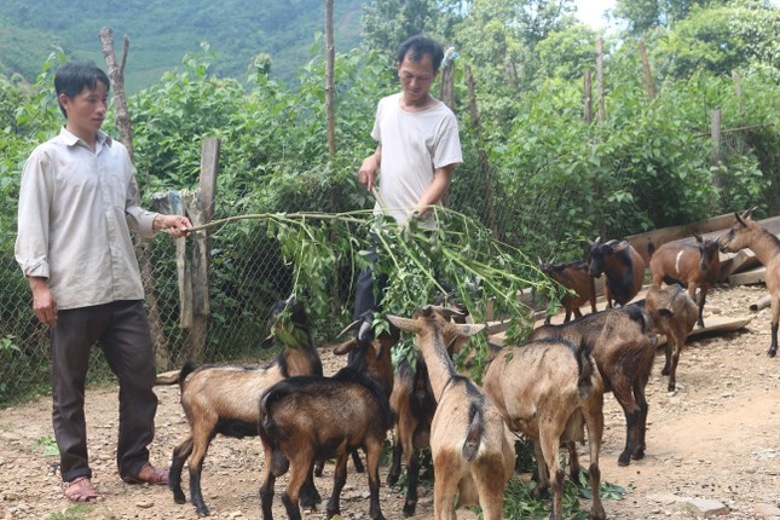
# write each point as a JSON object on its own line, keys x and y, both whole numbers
{"x": 161, "y": 32}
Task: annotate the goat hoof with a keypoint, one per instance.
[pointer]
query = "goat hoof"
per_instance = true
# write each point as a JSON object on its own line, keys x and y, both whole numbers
{"x": 772, "y": 353}
{"x": 624, "y": 460}
{"x": 409, "y": 509}
{"x": 639, "y": 455}
{"x": 204, "y": 511}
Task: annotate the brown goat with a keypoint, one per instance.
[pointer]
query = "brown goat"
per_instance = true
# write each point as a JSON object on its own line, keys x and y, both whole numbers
{"x": 622, "y": 265}
{"x": 548, "y": 389}
{"x": 692, "y": 266}
{"x": 305, "y": 419}
{"x": 746, "y": 232}
{"x": 223, "y": 400}
{"x": 624, "y": 349}
{"x": 472, "y": 448}
{"x": 413, "y": 403}
{"x": 673, "y": 313}
{"x": 573, "y": 276}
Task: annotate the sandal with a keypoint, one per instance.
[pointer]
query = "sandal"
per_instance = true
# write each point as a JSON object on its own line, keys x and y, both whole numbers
{"x": 148, "y": 474}
{"x": 80, "y": 490}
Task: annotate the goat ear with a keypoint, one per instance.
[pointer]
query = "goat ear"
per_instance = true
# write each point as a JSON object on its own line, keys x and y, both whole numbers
{"x": 403, "y": 323}
{"x": 467, "y": 329}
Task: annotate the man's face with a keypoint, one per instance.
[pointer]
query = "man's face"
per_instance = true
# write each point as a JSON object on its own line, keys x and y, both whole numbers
{"x": 86, "y": 110}
{"x": 416, "y": 78}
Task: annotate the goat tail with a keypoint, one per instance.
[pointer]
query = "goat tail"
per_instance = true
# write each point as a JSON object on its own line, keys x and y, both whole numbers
{"x": 586, "y": 369}
{"x": 279, "y": 462}
{"x": 188, "y": 368}
{"x": 474, "y": 434}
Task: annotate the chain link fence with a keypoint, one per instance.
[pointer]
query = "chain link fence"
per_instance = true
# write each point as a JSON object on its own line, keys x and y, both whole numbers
{"x": 248, "y": 275}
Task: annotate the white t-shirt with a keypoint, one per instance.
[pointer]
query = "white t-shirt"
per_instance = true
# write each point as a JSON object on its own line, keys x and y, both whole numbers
{"x": 414, "y": 144}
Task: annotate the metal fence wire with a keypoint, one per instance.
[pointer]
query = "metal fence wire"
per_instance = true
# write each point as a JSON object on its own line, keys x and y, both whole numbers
{"x": 247, "y": 276}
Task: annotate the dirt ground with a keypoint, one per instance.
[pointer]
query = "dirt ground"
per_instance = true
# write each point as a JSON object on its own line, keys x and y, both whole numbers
{"x": 712, "y": 447}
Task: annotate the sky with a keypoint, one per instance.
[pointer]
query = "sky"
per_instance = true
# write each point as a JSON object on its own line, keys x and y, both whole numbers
{"x": 591, "y": 11}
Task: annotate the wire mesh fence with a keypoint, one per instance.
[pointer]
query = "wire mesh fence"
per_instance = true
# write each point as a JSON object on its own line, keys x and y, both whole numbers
{"x": 248, "y": 275}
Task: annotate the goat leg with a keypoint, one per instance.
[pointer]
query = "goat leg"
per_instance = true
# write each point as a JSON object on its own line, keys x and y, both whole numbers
{"x": 773, "y": 346}
{"x": 412, "y": 475}
{"x": 196, "y": 494}
{"x": 357, "y": 462}
{"x": 267, "y": 495}
{"x": 373, "y": 453}
{"x": 395, "y": 467}
{"x": 310, "y": 497}
{"x": 339, "y": 479}
{"x": 180, "y": 454}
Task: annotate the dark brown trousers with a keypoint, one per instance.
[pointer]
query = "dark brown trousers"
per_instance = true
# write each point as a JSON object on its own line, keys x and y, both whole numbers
{"x": 121, "y": 329}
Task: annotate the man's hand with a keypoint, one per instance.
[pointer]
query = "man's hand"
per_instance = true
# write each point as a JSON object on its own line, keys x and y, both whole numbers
{"x": 44, "y": 303}
{"x": 175, "y": 225}
{"x": 367, "y": 173}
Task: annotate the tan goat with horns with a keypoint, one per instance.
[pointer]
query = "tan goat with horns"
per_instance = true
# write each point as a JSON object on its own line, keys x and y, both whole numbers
{"x": 473, "y": 450}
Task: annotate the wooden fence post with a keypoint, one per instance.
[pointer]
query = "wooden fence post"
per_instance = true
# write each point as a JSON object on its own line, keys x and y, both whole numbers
{"x": 600, "y": 78}
{"x": 715, "y": 130}
{"x": 144, "y": 248}
{"x": 201, "y": 211}
{"x": 648, "y": 76}
{"x": 588, "y": 98}
{"x": 484, "y": 163}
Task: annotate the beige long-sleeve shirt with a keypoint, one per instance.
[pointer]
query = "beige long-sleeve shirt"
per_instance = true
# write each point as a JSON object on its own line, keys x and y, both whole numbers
{"x": 76, "y": 210}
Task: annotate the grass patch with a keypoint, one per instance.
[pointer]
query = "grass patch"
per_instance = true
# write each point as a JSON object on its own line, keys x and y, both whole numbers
{"x": 74, "y": 512}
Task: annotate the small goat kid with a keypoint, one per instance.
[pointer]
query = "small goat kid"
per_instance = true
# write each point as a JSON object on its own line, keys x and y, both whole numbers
{"x": 692, "y": 266}
{"x": 305, "y": 419}
{"x": 547, "y": 390}
{"x": 745, "y": 232}
{"x": 473, "y": 450}
{"x": 673, "y": 313}
{"x": 574, "y": 276}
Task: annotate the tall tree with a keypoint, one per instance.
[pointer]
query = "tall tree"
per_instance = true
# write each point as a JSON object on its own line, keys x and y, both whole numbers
{"x": 724, "y": 38}
{"x": 643, "y": 15}
{"x": 386, "y": 23}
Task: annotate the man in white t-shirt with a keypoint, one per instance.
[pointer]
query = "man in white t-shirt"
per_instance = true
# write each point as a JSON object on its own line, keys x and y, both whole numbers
{"x": 417, "y": 149}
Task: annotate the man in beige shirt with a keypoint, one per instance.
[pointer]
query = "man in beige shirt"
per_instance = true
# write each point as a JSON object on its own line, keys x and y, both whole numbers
{"x": 78, "y": 203}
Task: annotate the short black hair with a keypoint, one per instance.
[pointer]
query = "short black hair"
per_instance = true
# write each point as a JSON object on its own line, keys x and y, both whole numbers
{"x": 418, "y": 46}
{"x": 73, "y": 77}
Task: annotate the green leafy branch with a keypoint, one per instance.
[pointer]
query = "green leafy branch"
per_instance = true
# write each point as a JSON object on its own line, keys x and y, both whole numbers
{"x": 456, "y": 260}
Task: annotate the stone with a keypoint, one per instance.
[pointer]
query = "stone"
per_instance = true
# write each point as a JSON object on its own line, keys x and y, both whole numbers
{"x": 708, "y": 507}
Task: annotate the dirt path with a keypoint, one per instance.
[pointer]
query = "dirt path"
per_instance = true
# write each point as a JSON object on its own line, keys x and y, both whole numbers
{"x": 712, "y": 446}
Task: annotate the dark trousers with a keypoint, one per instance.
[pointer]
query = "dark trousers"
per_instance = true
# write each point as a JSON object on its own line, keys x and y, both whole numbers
{"x": 121, "y": 329}
{"x": 369, "y": 287}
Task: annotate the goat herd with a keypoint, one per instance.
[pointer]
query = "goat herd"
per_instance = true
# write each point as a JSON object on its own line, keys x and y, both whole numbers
{"x": 549, "y": 389}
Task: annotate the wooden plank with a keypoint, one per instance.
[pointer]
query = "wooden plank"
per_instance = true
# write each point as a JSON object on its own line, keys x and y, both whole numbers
{"x": 713, "y": 324}
{"x": 757, "y": 275}
{"x": 661, "y": 236}
{"x": 731, "y": 263}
